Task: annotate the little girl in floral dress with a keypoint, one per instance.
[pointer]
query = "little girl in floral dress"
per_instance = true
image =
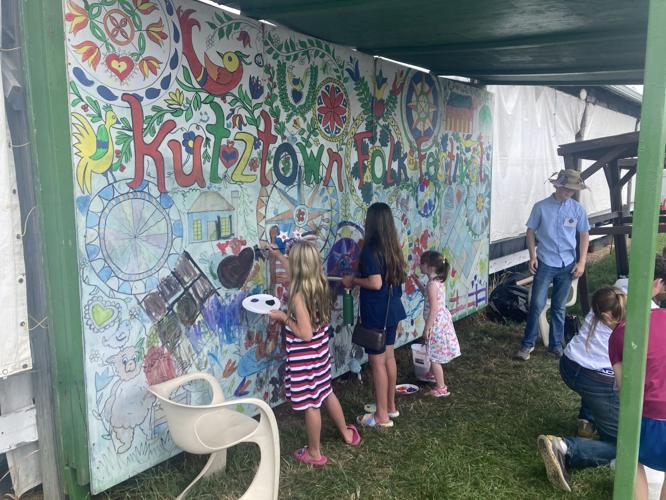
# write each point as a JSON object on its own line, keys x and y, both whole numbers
{"x": 440, "y": 336}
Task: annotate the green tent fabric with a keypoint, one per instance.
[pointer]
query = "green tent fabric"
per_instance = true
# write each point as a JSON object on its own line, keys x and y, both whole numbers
{"x": 517, "y": 42}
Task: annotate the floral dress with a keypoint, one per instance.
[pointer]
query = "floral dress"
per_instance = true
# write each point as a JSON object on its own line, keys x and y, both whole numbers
{"x": 443, "y": 345}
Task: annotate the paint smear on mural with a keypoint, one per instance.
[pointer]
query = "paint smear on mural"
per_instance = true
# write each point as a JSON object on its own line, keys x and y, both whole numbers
{"x": 199, "y": 137}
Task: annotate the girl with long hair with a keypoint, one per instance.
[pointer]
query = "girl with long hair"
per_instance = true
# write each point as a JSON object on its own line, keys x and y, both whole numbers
{"x": 381, "y": 275}
{"x": 308, "y": 374}
{"x": 586, "y": 368}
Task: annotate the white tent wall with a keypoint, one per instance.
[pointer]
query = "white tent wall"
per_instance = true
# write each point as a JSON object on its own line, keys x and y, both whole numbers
{"x": 530, "y": 122}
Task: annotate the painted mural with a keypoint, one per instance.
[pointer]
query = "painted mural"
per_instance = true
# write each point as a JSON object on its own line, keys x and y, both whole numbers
{"x": 197, "y": 139}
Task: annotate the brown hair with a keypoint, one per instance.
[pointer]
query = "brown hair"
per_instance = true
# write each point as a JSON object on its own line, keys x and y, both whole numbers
{"x": 382, "y": 237}
{"x": 660, "y": 266}
{"x": 307, "y": 278}
{"x": 606, "y": 299}
{"x": 437, "y": 262}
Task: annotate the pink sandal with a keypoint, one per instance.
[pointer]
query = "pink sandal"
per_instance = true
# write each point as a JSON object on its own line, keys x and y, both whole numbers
{"x": 356, "y": 437}
{"x": 302, "y": 455}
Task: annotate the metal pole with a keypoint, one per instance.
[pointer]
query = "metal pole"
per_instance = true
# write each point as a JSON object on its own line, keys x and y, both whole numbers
{"x": 641, "y": 265}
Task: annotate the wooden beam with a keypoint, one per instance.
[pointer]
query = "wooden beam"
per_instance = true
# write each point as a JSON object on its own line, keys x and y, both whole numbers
{"x": 631, "y": 172}
{"x": 50, "y": 459}
{"x": 612, "y": 172}
{"x": 620, "y": 230}
{"x": 628, "y": 219}
{"x": 613, "y": 154}
{"x": 602, "y": 143}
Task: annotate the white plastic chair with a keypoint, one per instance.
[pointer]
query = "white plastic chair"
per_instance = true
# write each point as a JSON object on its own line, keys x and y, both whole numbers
{"x": 215, "y": 427}
{"x": 543, "y": 318}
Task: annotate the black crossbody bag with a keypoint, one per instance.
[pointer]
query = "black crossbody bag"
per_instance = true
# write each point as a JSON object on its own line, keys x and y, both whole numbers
{"x": 370, "y": 338}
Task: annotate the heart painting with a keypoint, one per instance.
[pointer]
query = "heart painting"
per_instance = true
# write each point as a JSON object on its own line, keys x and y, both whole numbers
{"x": 234, "y": 270}
{"x": 121, "y": 66}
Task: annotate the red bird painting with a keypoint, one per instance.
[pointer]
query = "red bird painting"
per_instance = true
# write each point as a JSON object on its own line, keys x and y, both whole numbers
{"x": 214, "y": 79}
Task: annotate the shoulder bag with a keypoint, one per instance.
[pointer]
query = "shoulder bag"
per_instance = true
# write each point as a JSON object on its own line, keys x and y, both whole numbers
{"x": 371, "y": 338}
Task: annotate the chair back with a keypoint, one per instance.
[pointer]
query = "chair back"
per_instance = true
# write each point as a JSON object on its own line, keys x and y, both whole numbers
{"x": 182, "y": 418}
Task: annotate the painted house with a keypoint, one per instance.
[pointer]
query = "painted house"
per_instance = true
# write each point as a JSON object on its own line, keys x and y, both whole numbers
{"x": 211, "y": 218}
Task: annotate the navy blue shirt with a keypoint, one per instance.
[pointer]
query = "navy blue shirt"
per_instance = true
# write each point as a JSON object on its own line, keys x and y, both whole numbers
{"x": 373, "y": 302}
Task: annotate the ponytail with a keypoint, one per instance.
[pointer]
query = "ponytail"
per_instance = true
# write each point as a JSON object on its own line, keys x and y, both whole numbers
{"x": 610, "y": 300}
{"x": 438, "y": 263}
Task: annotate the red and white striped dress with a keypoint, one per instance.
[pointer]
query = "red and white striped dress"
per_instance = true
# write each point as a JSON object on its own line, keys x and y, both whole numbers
{"x": 307, "y": 379}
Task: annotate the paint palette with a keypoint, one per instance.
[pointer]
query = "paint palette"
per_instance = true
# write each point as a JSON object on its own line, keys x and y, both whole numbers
{"x": 261, "y": 303}
{"x": 406, "y": 389}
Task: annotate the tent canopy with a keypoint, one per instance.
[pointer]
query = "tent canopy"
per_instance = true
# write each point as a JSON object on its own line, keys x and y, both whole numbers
{"x": 543, "y": 42}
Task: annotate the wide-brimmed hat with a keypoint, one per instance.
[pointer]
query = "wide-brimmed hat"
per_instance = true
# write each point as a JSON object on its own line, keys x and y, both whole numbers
{"x": 569, "y": 179}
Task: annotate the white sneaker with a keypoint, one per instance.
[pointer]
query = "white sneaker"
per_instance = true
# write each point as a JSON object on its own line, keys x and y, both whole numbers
{"x": 524, "y": 353}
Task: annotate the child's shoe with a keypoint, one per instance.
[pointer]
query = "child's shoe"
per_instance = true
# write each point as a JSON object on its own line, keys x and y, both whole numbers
{"x": 439, "y": 392}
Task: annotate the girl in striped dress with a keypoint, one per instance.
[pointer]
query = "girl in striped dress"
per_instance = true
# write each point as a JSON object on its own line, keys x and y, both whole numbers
{"x": 308, "y": 373}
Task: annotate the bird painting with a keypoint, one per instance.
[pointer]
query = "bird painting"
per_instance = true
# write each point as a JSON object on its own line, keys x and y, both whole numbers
{"x": 95, "y": 150}
{"x": 297, "y": 85}
{"x": 214, "y": 79}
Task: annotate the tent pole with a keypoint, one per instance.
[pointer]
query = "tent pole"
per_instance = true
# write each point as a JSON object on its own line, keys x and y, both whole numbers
{"x": 641, "y": 265}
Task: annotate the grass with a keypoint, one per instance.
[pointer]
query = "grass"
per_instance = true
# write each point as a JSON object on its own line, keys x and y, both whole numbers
{"x": 479, "y": 443}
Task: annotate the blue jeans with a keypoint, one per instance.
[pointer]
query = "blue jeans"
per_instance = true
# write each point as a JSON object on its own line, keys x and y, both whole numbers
{"x": 560, "y": 277}
{"x": 601, "y": 402}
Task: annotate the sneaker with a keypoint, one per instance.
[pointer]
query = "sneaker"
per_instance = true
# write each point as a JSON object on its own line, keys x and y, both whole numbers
{"x": 558, "y": 352}
{"x": 439, "y": 392}
{"x": 524, "y": 353}
{"x": 551, "y": 451}
{"x": 586, "y": 429}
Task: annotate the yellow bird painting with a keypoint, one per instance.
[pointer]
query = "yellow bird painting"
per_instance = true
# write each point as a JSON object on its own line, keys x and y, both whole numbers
{"x": 95, "y": 150}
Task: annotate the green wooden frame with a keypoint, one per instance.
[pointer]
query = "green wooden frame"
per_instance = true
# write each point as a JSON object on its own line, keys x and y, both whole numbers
{"x": 652, "y": 140}
{"x": 43, "y": 42}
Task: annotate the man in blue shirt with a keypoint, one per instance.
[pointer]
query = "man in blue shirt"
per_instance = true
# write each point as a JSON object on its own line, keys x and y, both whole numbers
{"x": 553, "y": 223}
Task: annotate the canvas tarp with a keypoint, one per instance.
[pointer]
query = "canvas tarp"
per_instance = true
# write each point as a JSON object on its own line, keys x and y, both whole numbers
{"x": 15, "y": 352}
{"x": 530, "y": 123}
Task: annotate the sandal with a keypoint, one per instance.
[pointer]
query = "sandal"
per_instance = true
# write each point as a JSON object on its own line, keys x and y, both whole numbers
{"x": 368, "y": 420}
{"x": 439, "y": 392}
{"x": 356, "y": 437}
{"x": 371, "y": 408}
{"x": 302, "y": 455}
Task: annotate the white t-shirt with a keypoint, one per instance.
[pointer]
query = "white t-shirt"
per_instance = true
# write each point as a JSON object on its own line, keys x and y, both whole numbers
{"x": 595, "y": 356}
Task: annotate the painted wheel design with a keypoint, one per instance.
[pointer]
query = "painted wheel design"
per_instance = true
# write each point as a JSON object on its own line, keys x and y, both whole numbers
{"x": 478, "y": 208}
{"x": 132, "y": 237}
{"x": 332, "y": 109}
{"x": 301, "y": 208}
{"x": 124, "y": 49}
{"x": 421, "y": 109}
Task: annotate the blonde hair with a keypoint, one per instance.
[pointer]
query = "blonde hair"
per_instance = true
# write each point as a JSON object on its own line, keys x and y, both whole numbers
{"x": 307, "y": 278}
{"x": 610, "y": 300}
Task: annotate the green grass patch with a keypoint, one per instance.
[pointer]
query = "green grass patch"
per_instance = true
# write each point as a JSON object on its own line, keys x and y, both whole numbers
{"x": 479, "y": 443}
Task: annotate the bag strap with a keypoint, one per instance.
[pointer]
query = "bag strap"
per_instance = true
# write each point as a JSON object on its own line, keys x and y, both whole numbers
{"x": 388, "y": 306}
